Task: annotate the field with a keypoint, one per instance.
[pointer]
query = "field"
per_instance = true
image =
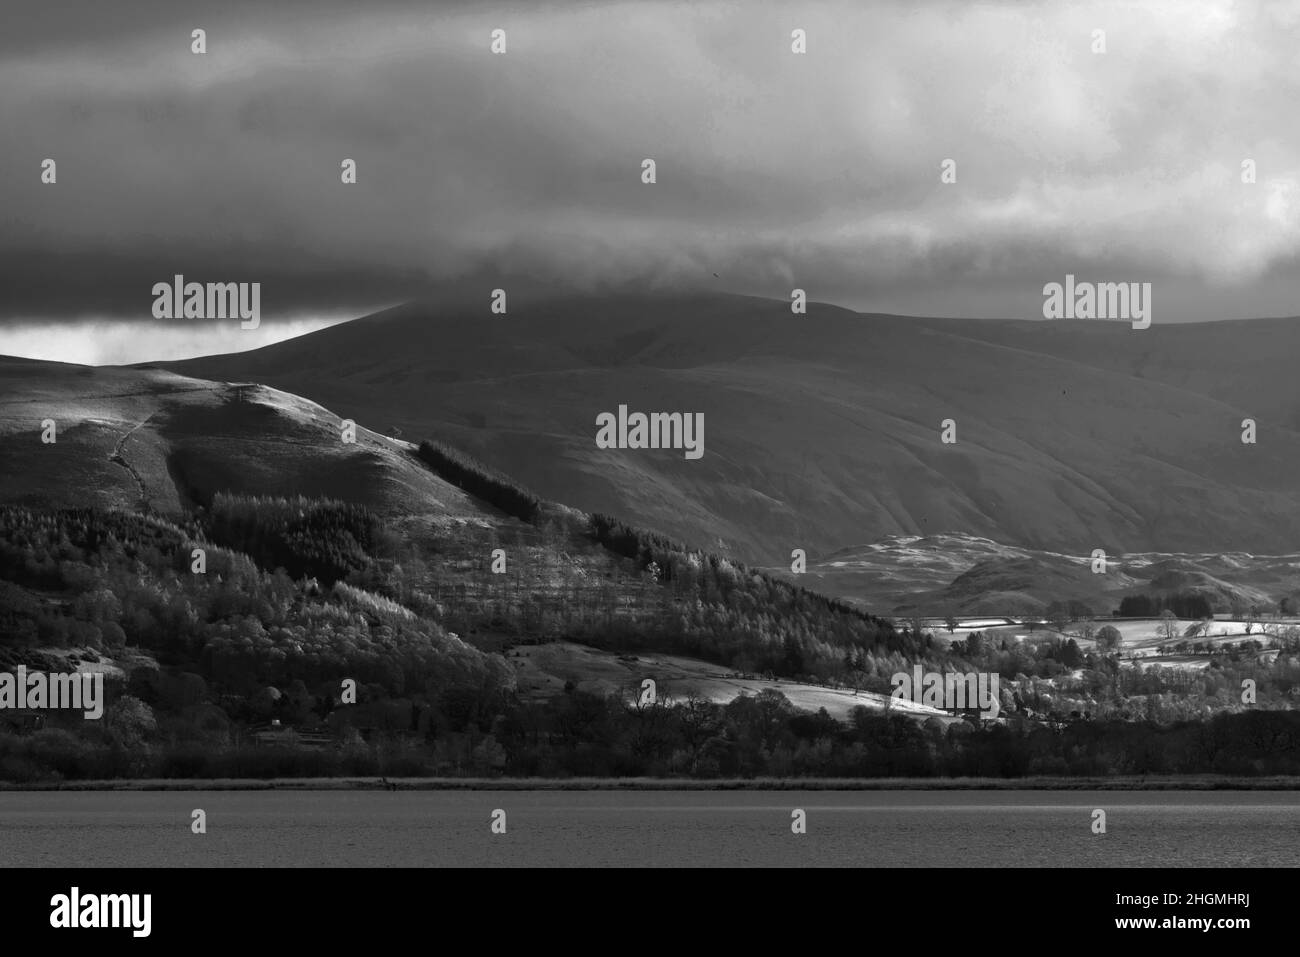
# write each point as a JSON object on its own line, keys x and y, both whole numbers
{"x": 543, "y": 670}
{"x": 1141, "y": 640}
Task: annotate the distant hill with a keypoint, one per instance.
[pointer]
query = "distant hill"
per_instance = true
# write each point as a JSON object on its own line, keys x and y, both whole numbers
{"x": 970, "y": 576}
{"x": 823, "y": 431}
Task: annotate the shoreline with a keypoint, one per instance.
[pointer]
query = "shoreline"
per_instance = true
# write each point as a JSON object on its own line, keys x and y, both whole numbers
{"x": 1170, "y": 783}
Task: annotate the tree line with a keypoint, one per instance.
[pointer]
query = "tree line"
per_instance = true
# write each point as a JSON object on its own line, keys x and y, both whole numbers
{"x": 480, "y": 480}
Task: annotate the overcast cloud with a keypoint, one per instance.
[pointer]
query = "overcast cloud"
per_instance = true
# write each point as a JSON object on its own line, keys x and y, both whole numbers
{"x": 774, "y": 170}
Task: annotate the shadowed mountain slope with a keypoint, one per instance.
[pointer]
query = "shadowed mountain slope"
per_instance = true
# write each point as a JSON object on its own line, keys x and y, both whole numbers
{"x": 823, "y": 431}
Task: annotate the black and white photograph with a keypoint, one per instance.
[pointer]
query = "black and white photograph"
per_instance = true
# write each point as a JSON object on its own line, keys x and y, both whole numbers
{"x": 649, "y": 434}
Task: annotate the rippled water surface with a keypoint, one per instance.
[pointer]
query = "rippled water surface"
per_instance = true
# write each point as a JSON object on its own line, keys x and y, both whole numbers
{"x": 674, "y": 828}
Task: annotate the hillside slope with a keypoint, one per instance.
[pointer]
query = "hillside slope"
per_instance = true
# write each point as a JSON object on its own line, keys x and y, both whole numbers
{"x": 823, "y": 431}
{"x": 265, "y": 474}
{"x": 133, "y": 438}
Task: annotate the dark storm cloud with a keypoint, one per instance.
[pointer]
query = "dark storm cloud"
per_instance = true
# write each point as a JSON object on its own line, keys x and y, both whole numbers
{"x": 774, "y": 170}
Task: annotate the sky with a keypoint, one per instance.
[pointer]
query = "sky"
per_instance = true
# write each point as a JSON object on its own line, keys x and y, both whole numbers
{"x": 774, "y": 169}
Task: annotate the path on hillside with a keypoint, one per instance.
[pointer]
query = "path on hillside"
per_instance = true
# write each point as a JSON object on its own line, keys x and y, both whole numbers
{"x": 118, "y": 458}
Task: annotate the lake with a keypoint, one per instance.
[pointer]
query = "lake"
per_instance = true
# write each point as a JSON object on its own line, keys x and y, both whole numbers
{"x": 650, "y": 828}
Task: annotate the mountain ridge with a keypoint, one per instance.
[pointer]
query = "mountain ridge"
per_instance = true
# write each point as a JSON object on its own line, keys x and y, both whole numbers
{"x": 824, "y": 429}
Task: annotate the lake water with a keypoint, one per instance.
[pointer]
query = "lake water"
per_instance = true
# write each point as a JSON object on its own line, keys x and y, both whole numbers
{"x": 653, "y": 828}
